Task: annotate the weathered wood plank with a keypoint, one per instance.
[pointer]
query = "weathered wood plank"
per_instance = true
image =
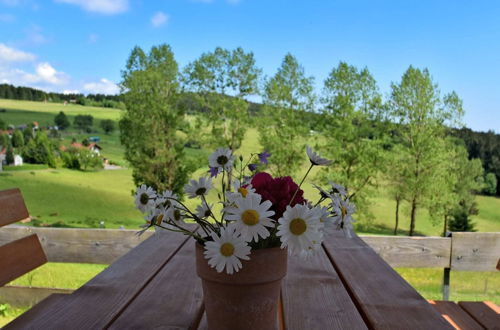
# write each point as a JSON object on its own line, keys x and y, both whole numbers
{"x": 172, "y": 300}
{"x": 27, "y": 296}
{"x": 39, "y": 310}
{"x": 12, "y": 207}
{"x": 412, "y": 251}
{"x": 385, "y": 300}
{"x": 484, "y": 312}
{"x": 96, "y": 304}
{"x": 99, "y": 246}
{"x": 475, "y": 251}
{"x": 315, "y": 298}
{"x": 19, "y": 257}
{"x": 455, "y": 315}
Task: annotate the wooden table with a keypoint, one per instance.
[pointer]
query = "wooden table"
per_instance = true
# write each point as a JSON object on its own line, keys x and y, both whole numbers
{"x": 346, "y": 286}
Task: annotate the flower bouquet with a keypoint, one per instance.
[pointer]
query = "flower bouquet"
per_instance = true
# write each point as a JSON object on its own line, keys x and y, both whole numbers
{"x": 241, "y": 251}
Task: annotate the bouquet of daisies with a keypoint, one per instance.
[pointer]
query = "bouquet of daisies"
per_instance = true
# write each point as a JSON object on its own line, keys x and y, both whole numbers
{"x": 257, "y": 211}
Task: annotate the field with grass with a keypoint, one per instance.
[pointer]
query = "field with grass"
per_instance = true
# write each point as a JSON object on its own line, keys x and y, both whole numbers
{"x": 63, "y": 197}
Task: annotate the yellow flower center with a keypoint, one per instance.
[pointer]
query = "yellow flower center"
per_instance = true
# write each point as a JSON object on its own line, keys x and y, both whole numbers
{"x": 144, "y": 198}
{"x": 250, "y": 217}
{"x": 298, "y": 226}
{"x": 344, "y": 211}
{"x": 243, "y": 191}
{"x": 227, "y": 249}
{"x": 159, "y": 218}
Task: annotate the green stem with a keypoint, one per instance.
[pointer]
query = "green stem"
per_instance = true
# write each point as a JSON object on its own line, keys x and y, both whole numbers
{"x": 301, "y": 182}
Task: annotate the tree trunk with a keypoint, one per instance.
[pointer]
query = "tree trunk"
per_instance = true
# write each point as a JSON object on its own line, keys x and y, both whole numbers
{"x": 398, "y": 199}
{"x": 413, "y": 216}
{"x": 445, "y": 227}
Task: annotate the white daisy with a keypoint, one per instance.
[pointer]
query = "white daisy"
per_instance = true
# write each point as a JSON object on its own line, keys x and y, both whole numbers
{"x": 338, "y": 189}
{"x": 343, "y": 211}
{"x": 198, "y": 188}
{"x": 325, "y": 217}
{"x": 251, "y": 217}
{"x": 175, "y": 215}
{"x": 227, "y": 250}
{"x": 145, "y": 198}
{"x": 322, "y": 192}
{"x": 222, "y": 158}
{"x": 203, "y": 211}
{"x": 315, "y": 158}
{"x": 167, "y": 199}
{"x": 240, "y": 190}
{"x": 299, "y": 229}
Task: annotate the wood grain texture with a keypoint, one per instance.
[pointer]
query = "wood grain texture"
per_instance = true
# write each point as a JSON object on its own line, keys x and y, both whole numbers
{"x": 19, "y": 257}
{"x": 484, "y": 312}
{"x": 455, "y": 315}
{"x": 20, "y": 296}
{"x": 475, "y": 251}
{"x": 96, "y": 304}
{"x": 12, "y": 207}
{"x": 97, "y": 246}
{"x": 39, "y": 310}
{"x": 314, "y": 297}
{"x": 172, "y": 300}
{"x": 385, "y": 300}
{"x": 412, "y": 251}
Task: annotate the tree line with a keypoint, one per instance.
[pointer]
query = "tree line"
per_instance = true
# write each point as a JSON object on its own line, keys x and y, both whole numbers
{"x": 12, "y": 92}
{"x": 403, "y": 143}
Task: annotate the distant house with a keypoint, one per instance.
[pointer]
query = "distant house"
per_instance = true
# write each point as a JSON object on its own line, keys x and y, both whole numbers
{"x": 94, "y": 147}
{"x": 18, "y": 160}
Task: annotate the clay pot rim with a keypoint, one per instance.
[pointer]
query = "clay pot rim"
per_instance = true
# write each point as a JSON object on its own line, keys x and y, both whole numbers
{"x": 243, "y": 276}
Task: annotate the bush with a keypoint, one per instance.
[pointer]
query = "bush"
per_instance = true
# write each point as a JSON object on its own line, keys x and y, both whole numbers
{"x": 490, "y": 184}
{"x": 17, "y": 139}
{"x": 107, "y": 125}
{"x": 461, "y": 221}
{"x": 83, "y": 122}
{"x": 39, "y": 151}
{"x": 81, "y": 159}
{"x": 62, "y": 121}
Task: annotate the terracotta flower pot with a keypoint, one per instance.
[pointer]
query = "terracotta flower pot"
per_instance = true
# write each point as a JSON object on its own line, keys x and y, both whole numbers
{"x": 247, "y": 299}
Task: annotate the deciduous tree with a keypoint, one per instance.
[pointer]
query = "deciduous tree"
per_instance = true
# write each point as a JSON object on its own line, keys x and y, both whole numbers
{"x": 421, "y": 113}
{"x": 151, "y": 120}
{"x": 288, "y": 96}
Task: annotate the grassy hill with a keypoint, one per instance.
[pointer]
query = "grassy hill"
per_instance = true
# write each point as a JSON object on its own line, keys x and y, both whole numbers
{"x": 83, "y": 199}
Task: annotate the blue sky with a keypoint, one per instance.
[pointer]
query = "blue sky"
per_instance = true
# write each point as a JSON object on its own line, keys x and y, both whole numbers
{"x": 82, "y": 45}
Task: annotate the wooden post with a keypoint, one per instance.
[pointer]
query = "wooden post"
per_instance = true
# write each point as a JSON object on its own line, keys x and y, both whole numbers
{"x": 446, "y": 284}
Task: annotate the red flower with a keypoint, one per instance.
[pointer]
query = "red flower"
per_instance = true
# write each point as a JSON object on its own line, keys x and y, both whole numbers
{"x": 277, "y": 190}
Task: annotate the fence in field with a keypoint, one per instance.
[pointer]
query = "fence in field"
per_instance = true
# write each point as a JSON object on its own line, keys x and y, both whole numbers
{"x": 460, "y": 252}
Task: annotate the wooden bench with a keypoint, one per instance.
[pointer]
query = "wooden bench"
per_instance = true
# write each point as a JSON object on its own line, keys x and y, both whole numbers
{"x": 22, "y": 255}
{"x": 469, "y": 315}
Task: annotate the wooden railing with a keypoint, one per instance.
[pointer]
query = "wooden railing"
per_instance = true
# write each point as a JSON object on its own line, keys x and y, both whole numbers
{"x": 461, "y": 252}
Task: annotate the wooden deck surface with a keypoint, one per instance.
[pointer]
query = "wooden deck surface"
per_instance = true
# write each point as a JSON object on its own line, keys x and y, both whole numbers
{"x": 345, "y": 286}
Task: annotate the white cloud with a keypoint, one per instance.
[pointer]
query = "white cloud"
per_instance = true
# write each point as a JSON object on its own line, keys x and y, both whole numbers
{"x": 108, "y": 7}
{"x": 47, "y": 73}
{"x": 44, "y": 74}
{"x": 103, "y": 86}
{"x": 8, "y": 54}
{"x": 159, "y": 19}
